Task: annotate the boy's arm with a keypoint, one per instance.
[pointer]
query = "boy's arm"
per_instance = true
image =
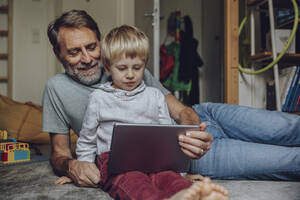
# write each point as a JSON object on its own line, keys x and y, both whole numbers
{"x": 82, "y": 173}
{"x": 86, "y": 145}
{"x": 195, "y": 143}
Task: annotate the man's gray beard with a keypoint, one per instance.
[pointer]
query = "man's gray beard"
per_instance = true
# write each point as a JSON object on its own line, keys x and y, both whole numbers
{"x": 88, "y": 78}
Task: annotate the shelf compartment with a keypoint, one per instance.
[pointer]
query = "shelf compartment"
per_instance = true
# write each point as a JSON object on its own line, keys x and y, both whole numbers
{"x": 287, "y": 59}
{"x": 286, "y": 25}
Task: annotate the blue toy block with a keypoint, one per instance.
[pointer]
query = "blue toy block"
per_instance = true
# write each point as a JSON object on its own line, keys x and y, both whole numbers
{"x": 21, "y": 155}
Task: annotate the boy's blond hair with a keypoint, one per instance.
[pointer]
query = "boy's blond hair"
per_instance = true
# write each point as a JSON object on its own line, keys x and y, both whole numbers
{"x": 127, "y": 40}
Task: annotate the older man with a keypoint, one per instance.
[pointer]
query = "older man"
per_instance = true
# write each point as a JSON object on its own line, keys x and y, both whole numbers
{"x": 248, "y": 143}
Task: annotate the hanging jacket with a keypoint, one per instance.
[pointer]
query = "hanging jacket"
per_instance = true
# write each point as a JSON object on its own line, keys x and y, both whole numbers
{"x": 190, "y": 60}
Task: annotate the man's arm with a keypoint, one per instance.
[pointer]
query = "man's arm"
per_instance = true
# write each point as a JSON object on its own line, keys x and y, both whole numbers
{"x": 195, "y": 143}
{"x": 180, "y": 113}
{"x": 61, "y": 153}
{"x": 82, "y": 173}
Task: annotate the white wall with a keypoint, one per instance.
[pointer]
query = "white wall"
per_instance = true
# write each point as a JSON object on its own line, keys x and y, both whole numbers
{"x": 213, "y": 50}
{"x": 33, "y": 59}
{"x": 145, "y": 24}
{"x": 107, "y": 14}
{"x": 31, "y": 55}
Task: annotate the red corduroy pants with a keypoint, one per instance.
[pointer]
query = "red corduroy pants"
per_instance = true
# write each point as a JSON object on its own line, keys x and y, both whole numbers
{"x": 136, "y": 185}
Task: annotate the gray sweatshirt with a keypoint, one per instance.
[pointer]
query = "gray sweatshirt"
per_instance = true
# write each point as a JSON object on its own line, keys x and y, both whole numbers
{"x": 108, "y": 105}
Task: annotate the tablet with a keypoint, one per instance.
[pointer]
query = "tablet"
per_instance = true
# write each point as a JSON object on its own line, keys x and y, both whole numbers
{"x": 147, "y": 148}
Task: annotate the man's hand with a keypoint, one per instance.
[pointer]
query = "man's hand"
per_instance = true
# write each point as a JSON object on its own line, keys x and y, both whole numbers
{"x": 196, "y": 143}
{"x": 84, "y": 173}
{"x": 63, "y": 180}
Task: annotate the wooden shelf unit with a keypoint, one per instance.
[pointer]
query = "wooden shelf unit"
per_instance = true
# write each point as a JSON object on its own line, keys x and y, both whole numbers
{"x": 231, "y": 49}
{"x": 7, "y": 79}
{"x": 259, "y": 59}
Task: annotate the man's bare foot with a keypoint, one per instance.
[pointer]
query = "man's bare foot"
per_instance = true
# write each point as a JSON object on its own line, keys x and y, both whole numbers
{"x": 204, "y": 190}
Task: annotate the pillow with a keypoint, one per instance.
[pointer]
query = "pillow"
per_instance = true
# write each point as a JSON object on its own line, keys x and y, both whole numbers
{"x": 23, "y": 121}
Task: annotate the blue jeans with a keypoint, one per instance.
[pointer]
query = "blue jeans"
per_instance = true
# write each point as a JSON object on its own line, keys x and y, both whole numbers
{"x": 249, "y": 143}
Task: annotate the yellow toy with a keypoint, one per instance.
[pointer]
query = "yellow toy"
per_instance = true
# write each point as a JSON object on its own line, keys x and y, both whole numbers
{"x": 12, "y": 151}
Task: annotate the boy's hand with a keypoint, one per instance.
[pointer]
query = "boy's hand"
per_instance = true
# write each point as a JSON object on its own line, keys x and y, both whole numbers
{"x": 84, "y": 173}
{"x": 196, "y": 143}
